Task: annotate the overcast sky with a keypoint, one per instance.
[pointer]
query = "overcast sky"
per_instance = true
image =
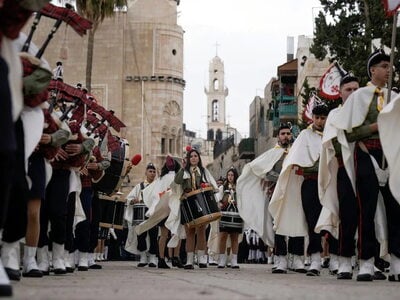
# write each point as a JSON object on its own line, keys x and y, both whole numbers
{"x": 252, "y": 38}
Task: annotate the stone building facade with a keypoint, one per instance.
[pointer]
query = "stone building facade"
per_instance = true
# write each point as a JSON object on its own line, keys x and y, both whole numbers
{"x": 137, "y": 72}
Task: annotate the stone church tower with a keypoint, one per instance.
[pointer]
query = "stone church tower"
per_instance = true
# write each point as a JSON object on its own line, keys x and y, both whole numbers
{"x": 216, "y": 94}
{"x": 137, "y": 72}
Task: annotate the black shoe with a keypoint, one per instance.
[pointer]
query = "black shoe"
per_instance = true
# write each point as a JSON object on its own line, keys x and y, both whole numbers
{"x": 45, "y": 273}
{"x": 279, "y": 271}
{"x": 95, "y": 267}
{"x": 152, "y": 265}
{"x": 202, "y": 266}
{"x": 302, "y": 271}
{"x": 34, "y": 273}
{"x": 188, "y": 267}
{"x": 235, "y": 267}
{"x": 70, "y": 269}
{"x": 176, "y": 262}
{"x": 365, "y": 277}
{"x": 312, "y": 272}
{"x": 13, "y": 274}
{"x": 394, "y": 277}
{"x": 59, "y": 271}
{"x": 381, "y": 264}
{"x": 141, "y": 265}
{"x": 379, "y": 276}
{"x": 83, "y": 268}
{"x": 344, "y": 275}
{"x": 5, "y": 290}
{"x": 162, "y": 264}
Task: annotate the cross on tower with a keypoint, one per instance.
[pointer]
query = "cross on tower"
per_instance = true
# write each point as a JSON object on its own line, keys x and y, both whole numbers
{"x": 216, "y": 48}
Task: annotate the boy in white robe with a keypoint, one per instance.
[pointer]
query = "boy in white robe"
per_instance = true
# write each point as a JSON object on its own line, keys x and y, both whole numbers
{"x": 357, "y": 122}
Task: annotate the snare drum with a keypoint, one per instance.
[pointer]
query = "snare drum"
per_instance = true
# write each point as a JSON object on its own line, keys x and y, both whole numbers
{"x": 231, "y": 221}
{"x": 139, "y": 213}
{"x": 112, "y": 212}
{"x": 199, "y": 207}
{"x": 111, "y": 182}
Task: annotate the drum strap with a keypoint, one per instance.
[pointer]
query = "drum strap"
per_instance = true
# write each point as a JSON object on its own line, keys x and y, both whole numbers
{"x": 194, "y": 178}
{"x": 141, "y": 191}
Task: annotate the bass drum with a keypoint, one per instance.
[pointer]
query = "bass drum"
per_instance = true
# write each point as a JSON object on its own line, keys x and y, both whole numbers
{"x": 113, "y": 177}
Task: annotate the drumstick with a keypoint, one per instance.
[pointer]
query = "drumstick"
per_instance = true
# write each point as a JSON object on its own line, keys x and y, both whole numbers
{"x": 133, "y": 162}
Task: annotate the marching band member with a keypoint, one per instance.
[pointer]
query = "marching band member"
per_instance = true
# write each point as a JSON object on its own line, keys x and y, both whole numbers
{"x": 93, "y": 170}
{"x": 294, "y": 215}
{"x": 336, "y": 190}
{"x": 192, "y": 176}
{"x": 140, "y": 244}
{"x": 68, "y": 160}
{"x": 39, "y": 170}
{"x": 227, "y": 196}
{"x": 13, "y": 16}
{"x": 26, "y": 195}
{"x": 357, "y": 127}
{"x": 256, "y": 185}
{"x": 156, "y": 194}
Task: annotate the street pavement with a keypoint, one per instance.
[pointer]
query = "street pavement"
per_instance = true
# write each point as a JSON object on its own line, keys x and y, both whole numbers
{"x": 123, "y": 280}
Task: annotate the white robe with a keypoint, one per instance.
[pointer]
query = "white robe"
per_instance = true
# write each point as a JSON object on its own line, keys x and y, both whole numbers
{"x": 131, "y": 240}
{"x": 389, "y": 123}
{"x": 353, "y": 114}
{"x": 327, "y": 181}
{"x": 156, "y": 199}
{"x": 286, "y": 205}
{"x": 251, "y": 198}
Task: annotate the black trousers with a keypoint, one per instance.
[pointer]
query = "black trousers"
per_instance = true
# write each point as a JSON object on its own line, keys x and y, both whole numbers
{"x": 94, "y": 222}
{"x": 348, "y": 214}
{"x": 393, "y": 220}
{"x": 367, "y": 197}
{"x": 9, "y": 145}
{"x": 295, "y": 245}
{"x": 82, "y": 230}
{"x": 153, "y": 236}
{"x": 16, "y": 210}
{"x": 69, "y": 223}
{"x": 54, "y": 208}
{"x": 312, "y": 209}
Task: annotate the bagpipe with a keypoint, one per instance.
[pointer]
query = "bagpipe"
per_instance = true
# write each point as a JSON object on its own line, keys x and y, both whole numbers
{"x": 38, "y": 76}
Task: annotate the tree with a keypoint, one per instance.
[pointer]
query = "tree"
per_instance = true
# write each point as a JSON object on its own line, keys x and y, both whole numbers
{"x": 344, "y": 31}
{"x": 96, "y": 11}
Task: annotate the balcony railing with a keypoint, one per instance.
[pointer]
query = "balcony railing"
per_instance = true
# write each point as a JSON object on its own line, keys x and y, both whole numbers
{"x": 246, "y": 149}
{"x": 286, "y": 98}
{"x": 287, "y": 110}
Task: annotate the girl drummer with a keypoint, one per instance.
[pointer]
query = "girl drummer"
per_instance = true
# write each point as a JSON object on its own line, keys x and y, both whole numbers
{"x": 193, "y": 176}
{"x": 227, "y": 203}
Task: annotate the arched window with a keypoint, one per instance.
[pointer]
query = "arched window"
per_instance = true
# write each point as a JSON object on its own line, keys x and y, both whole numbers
{"x": 216, "y": 84}
{"x": 215, "y": 111}
{"x": 172, "y": 141}
{"x": 164, "y": 140}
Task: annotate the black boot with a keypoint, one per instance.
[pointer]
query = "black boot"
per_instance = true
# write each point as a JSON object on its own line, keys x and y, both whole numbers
{"x": 162, "y": 264}
{"x": 176, "y": 262}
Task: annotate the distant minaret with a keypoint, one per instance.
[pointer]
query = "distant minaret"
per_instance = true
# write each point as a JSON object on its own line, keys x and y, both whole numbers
{"x": 216, "y": 94}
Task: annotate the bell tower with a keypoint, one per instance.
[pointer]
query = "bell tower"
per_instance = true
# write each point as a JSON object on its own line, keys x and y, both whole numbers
{"x": 216, "y": 94}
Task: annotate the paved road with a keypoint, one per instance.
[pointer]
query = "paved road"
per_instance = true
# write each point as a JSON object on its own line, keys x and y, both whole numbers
{"x": 123, "y": 280}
